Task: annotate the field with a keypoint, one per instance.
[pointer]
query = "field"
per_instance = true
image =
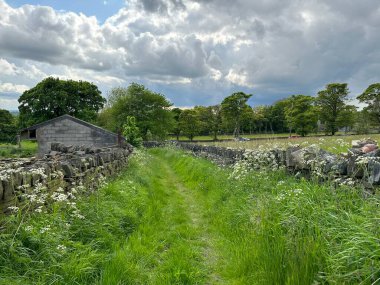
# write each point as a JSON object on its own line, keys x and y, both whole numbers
{"x": 171, "y": 218}
{"x": 250, "y": 136}
{"x": 28, "y": 148}
{"x": 334, "y": 144}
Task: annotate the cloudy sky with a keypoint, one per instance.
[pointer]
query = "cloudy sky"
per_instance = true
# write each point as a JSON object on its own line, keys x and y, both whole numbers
{"x": 193, "y": 51}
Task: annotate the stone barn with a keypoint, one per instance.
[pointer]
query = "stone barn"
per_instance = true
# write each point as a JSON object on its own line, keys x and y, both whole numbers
{"x": 69, "y": 131}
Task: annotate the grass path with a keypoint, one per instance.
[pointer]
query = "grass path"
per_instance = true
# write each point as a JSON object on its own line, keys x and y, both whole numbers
{"x": 171, "y": 218}
{"x": 174, "y": 233}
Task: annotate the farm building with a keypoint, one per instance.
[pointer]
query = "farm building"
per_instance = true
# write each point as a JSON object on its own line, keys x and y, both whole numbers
{"x": 69, "y": 131}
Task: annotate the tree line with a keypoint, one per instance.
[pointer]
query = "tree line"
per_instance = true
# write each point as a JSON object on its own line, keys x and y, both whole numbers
{"x": 140, "y": 113}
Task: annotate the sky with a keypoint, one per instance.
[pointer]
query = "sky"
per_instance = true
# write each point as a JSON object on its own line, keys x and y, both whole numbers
{"x": 195, "y": 52}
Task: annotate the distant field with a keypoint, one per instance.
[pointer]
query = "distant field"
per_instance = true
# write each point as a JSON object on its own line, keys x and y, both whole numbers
{"x": 28, "y": 148}
{"x": 249, "y": 136}
{"x": 334, "y": 144}
{"x": 224, "y": 137}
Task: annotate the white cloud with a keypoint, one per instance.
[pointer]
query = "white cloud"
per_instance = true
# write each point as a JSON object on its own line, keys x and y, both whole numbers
{"x": 12, "y": 88}
{"x": 275, "y": 47}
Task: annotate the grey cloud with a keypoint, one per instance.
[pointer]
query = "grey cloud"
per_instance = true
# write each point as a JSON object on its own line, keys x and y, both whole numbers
{"x": 161, "y": 6}
{"x": 277, "y": 47}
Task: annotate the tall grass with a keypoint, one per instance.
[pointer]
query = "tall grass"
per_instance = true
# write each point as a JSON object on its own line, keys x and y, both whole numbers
{"x": 171, "y": 218}
{"x": 275, "y": 229}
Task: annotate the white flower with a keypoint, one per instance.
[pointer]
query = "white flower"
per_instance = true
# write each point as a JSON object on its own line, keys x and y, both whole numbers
{"x": 61, "y": 247}
{"x": 45, "y": 229}
{"x": 28, "y": 228}
{"x": 13, "y": 209}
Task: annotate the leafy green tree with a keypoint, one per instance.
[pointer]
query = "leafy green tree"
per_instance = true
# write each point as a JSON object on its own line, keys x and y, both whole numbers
{"x": 278, "y": 116}
{"x": 347, "y": 118}
{"x": 189, "y": 123}
{"x": 300, "y": 114}
{"x": 331, "y": 102}
{"x": 259, "y": 119}
{"x": 371, "y": 96}
{"x": 53, "y": 97}
{"x": 8, "y": 130}
{"x": 210, "y": 120}
{"x": 215, "y": 120}
{"x": 151, "y": 110}
{"x": 233, "y": 108}
{"x": 131, "y": 132}
{"x": 176, "y": 127}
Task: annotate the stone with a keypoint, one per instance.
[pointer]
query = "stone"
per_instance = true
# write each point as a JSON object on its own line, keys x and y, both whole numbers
{"x": 374, "y": 172}
{"x": 362, "y": 143}
{"x": 369, "y": 148}
{"x": 53, "y": 153}
{"x": 289, "y": 158}
{"x": 68, "y": 170}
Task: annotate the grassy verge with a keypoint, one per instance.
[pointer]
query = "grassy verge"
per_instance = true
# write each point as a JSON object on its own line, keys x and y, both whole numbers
{"x": 171, "y": 218}
{"x": 28, "y": 148}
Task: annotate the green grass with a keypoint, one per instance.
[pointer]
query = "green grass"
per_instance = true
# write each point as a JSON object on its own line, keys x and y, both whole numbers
{"x": 171, "y": 218}
{"x": 334, "y": 144}
{"x": 250, "y": 136}
{"x": 28, "y": 148}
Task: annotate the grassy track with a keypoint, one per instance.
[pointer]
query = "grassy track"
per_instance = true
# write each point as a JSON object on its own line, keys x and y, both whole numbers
{"x": 175, "y": 219}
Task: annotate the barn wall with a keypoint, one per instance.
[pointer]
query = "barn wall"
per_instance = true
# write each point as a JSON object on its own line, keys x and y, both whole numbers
{"x": 70, "y": 132}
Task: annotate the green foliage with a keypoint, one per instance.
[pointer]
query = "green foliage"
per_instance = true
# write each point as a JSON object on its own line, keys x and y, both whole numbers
{"x": 189, "y": 123}
{"x": 233, "y": 108}
{"x": 8, "y": 130}
{"x": 131, "y": 132}
{"x": 300, "y": 114}
{"x": 150, "y": 109}
{"x": 176, "y": 112}
{"x": 210, "y": 120}
{"x": 28, "y": 149}
{"x": 371, "y": 97}
{"x": 53, "y": 97}
{"x": 331, "y": 102}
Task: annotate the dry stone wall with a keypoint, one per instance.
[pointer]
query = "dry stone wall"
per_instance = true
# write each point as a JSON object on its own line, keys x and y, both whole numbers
{"x": 66, "y": 168}
{"x": 361, "y": 165}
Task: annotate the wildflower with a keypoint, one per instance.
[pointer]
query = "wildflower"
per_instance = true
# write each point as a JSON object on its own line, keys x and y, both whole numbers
{"x": 13, "y": 209}
{"x": 61, "y": 247}
{"x": 28, "y": 228}
{"x": 45, "y": 229}
{"x": 38, "y": 210}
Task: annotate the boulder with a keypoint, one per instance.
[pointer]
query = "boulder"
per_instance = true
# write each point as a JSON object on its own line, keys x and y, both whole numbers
{"x": 374, "y": 172}
{"x": 68, "y": 170}
{"x": 369, "y": 148}
{"x": 290, "y": 162}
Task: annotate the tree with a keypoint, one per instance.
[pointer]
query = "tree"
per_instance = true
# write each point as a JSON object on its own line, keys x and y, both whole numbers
{"x": 8, "y": 130}
{"x": 347, "y": 118}
{"x": 300, "y": 114}
{"x": 151, "y": 110}
{"x": 371, "y": 96}
{"x": 176, "y": 128}
{"x": 189, "y": 123}
{"x": 210, "y": 120}
{"x": 53, "y": 97}
{"x": 131, "y": 132}
{"x": 232, "y": 109}
{"x": 331, "y": 102}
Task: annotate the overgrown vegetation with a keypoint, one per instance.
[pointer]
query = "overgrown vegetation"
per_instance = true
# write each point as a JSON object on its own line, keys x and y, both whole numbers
{"x": 28, "y": 148}
{"x": 171, "y": 218}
